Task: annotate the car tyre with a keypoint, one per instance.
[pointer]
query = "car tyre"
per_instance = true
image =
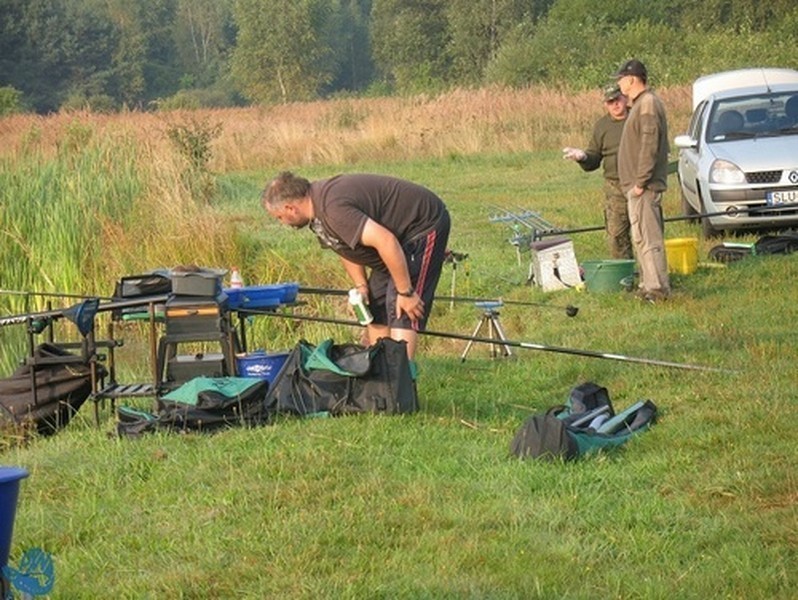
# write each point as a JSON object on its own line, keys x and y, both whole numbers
{"x": 688, "y": 210}
{"x": 707, "y": 229}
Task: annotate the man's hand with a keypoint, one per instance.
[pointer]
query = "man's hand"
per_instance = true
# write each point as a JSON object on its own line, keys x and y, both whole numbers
{"x": 574, "y": 154}
{"x": 412, "y": 306}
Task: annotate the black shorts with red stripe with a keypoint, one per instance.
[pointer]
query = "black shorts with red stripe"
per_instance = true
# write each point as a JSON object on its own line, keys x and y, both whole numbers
{"x": 425, "y": 256}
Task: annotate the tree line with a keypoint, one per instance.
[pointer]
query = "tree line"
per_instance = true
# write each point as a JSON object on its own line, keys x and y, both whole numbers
{"x": 108, "y": 55}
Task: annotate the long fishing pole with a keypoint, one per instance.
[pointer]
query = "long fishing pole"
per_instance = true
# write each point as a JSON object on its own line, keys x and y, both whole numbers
{"x": 53, "y": 295}
{"x": 570, "y": 309}
{"x": 322, "y": 291}
{"x": 516, "y": 344}
{"x": 58, "y": 313}
{"x": 723, "y": 213}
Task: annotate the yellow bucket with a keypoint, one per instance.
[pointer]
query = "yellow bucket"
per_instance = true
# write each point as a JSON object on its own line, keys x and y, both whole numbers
{"x": 682, "y": 255}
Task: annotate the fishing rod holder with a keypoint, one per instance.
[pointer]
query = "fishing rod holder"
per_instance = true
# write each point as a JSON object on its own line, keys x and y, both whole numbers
{"x": 490, "y": 319}
{"x": 520, "y": 219}
{"x": 454, "y": 258}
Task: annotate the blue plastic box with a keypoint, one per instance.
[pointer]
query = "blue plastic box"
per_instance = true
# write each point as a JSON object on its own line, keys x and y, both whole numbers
{"x": 261, "y": 296}
{"x": 261, "y": 364}
{"x": 10, "y": 478}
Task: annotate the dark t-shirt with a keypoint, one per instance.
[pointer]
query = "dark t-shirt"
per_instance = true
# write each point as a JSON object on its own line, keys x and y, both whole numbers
{"x": 343, "y": 203}
{"x": 603, "y": 146}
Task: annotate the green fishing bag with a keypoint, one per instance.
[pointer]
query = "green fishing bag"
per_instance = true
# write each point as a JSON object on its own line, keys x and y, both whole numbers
{"x": 585, "y": 424}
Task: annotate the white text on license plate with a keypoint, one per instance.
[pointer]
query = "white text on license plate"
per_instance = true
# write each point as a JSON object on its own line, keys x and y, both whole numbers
{"x": 786, "y": 197}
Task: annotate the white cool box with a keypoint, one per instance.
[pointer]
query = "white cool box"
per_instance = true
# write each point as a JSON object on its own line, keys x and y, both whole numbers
{"x": 554, "y": 265}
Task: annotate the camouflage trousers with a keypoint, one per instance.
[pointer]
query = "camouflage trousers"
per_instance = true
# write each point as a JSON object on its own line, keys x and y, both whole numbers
{"x": 616, "y": 221}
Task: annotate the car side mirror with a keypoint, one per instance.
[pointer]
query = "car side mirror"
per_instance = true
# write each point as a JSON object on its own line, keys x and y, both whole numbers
{"x": 684, "y": 142}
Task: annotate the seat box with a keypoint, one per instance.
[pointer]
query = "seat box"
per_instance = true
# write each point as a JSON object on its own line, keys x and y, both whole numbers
{"x": 184, "y": 367}
{"x": 202, "y": 282}
{"x": 261, "y": 364}
{"x": 554, "y": 265}
{"x": 255, "y": 297}
{"x": 193, "y": 316}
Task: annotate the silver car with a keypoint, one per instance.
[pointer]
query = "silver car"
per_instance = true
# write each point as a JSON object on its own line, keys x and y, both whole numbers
{"x": 738, "y": 162}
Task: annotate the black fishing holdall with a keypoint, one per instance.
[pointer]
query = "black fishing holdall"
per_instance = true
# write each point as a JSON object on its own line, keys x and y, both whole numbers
{"x": 63, "y": 383}
{"x": 586, "y": 424}
{"x": 342, "y": 379}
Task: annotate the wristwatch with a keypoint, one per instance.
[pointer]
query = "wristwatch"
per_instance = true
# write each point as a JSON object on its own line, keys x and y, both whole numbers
{"x": 408, "y": 293}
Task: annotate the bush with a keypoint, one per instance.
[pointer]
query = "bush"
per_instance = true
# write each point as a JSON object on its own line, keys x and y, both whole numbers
{"x": 97, "y": 103}
{"x": 583, "y": 55}
{"x": 192, "y": 99}
{"x": 10, "y": 101}
{"x": 182, "y": 100}
{"x": 559, "y": 53}
{"x": 717, "y": 51}
{"x": 192, "y": 141}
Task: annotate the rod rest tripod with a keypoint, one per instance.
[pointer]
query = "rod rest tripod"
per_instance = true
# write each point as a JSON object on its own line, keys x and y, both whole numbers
{"x": 490, "y": 318}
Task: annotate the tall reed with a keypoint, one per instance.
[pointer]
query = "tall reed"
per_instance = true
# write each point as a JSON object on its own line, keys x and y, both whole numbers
{"x": 94, "y": 204}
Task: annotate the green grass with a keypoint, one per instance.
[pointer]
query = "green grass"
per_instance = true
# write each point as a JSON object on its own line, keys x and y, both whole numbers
{"x": 431, "y": 505}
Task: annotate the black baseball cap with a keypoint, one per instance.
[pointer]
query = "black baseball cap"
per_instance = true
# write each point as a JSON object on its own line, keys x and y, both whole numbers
{"x": 632, "y": 67}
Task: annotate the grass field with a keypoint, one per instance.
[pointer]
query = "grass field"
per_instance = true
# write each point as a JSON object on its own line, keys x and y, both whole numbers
{"x": 431, "y": 505}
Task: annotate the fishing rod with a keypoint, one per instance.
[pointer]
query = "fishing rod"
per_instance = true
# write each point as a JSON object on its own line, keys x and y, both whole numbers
{"x": 47, "y": 315}
{"x": 723, "y": 213}
{"x": 53, "y": 295}
{"x": 517, "y": 344}
{"x": 570, "y": 309}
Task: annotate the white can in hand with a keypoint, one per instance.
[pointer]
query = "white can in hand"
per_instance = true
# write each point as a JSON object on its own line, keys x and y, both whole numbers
{"x": 358, "y": 303}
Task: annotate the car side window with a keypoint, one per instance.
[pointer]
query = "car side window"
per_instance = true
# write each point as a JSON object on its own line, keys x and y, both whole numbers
{"x": 694, "y": 131}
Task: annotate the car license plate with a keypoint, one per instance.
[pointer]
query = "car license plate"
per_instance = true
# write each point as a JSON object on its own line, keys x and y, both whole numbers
{"x": 786, "y": 197}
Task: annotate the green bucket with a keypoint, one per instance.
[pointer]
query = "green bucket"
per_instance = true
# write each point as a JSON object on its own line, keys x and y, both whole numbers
{"x": 608, "y": 275}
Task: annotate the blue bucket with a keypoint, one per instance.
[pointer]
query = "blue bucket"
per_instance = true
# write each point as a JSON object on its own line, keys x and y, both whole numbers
{"x": 9, "y": 492}
{"x": 261, "y": 365}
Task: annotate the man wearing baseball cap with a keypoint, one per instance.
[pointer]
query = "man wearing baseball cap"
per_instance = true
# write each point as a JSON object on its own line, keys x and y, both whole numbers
{"x": 643, "y": 173}
{"x": 603, "y": 149}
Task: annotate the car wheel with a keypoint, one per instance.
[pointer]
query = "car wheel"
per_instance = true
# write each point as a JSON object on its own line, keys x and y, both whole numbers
{"x": 707, "y": 230}
{"x": 688, "y": 210}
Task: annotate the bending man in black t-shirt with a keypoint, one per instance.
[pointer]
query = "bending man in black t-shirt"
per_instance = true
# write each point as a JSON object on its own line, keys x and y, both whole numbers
{"x": 396, "y": 229}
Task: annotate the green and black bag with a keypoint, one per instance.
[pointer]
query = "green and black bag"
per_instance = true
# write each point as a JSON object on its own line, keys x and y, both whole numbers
{"x": 785, "y": 243}
{"x": 587, "y": 423}
{"x": 344, "y": 379}
{"x": 202, "y": 404}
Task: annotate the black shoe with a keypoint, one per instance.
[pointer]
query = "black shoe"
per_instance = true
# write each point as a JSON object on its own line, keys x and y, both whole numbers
{"x": 652, "y": 297}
